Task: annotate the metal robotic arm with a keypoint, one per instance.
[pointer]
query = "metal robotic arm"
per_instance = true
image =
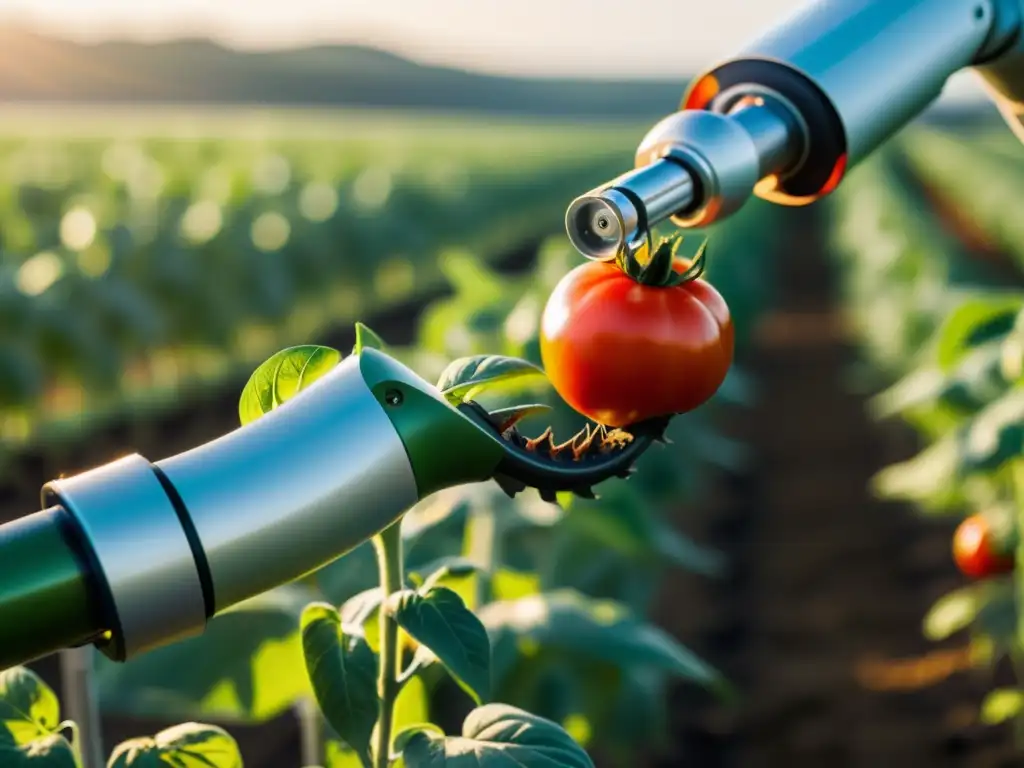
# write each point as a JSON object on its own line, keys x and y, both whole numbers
{"x": 793, "y": 112}
{"x": 134, "y": 555}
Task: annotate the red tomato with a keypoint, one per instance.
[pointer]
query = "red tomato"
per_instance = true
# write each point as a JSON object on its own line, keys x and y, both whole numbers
{"x": 976, "y": 552}
{"x": 620, "y": 352}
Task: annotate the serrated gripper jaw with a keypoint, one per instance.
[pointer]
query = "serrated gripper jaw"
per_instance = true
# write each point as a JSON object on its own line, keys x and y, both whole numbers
{"x": 591, "y": 456}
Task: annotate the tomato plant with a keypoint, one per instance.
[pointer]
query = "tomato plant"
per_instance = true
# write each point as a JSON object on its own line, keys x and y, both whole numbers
{"x": 943, "y": 339}
{"x": 979, "y": 552}
{"x": 32, "y": 734}
{"x": 624, "y": 342}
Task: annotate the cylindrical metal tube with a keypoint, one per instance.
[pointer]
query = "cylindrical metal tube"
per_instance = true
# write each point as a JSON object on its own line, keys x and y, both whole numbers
{"x": 297, "y": 488}
{"x": 600, "y": 222}
{"x": 49, "y": 599}
{"x": 139, "y": 555}
{"x": 693, "y": 167}
{"x": 879, "y": 62}
{"x": 142, "y": 552}
{"x": 777, "y": 138}
{"x": 664, "y": 186}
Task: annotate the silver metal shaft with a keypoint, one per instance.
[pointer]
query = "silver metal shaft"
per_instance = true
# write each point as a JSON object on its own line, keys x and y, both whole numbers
{"x": 599, "y": 222}
{"x": 710, "y": 161}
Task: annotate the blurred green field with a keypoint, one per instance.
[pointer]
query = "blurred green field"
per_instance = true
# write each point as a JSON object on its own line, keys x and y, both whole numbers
{"x": 143, "y": 251}
{"x": 929, "y": 242}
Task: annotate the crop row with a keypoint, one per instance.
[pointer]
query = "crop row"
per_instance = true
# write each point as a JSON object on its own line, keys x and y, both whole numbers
{"x": 941, "y": 327}
{"x": 131, "y": 269}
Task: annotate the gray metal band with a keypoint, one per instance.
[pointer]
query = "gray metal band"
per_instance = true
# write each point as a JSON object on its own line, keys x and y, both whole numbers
{"x": 295, "y": 489}
{"x": 144, "y": 555}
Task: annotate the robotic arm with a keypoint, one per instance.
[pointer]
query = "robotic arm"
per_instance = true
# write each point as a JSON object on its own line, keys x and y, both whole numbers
{"x": 787, "y": 117}
{"x": 134, "y": 555}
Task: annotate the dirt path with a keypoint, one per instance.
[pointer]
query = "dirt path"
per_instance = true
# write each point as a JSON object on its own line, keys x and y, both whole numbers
{"x": 827, "y": 580}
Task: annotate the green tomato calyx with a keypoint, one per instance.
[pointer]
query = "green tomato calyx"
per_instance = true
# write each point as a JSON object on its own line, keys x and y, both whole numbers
{"x": 659, "y": 271}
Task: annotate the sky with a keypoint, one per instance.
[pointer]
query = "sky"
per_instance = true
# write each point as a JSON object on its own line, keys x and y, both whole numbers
{"x": 598, "y": 38}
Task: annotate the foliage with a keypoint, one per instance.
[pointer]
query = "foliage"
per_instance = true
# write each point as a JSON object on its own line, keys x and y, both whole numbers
{"x": 140, "y": 267}
{"x": 942, "y": 335}
{"x": 31, "y": 735}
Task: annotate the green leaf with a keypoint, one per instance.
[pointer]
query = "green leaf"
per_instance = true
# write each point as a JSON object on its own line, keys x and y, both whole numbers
{"x": 601, "y": 630}
{"x": 974, "y": 322}
{"x": 447, "y": 570}
{"x": 459, "y": 574}
{"x": 438, "y": 619}
{"x": 405, "y": 734}
{"x": 362, "y": 611}
{"x": 339, "y": 755}
{"x": 507, "y": 584}
{"x": 472, "y": 280}
{"x": 283, "y": 376}
{"x": 28, "y": 706}
{"x": 465, "y": 378}
{"x": 343, "y": 671}
{"x": 640, "y": 712}
{"x": 996, "y": 434}
{"x": 954, "y": 612}
{"x": 497, "y": 736}
{"x": 412, "y": 705}
{"x": 246, "y": 667}
{"x": 360, "y": 615}
{"x": 919, "y": 388}
{"x": 367, "y": 339}
{"x": 29, "y": 723}
{"x": 930, "y": 478}
{"x": 624, "y": 521}
{"x": 189, "y": 745}
{"x": 1001, "y": 705}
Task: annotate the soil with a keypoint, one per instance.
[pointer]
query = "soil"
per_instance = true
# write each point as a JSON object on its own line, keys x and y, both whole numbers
{"x": 825, "y": 583}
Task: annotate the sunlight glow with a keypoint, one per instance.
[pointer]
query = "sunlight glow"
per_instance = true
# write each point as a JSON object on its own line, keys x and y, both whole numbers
{"x": 670, "y": 38}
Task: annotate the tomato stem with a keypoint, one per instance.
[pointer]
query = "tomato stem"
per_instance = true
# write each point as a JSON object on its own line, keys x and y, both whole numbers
{"x": 659, "y": 270}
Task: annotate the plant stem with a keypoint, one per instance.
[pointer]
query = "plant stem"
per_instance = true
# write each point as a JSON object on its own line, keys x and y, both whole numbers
{"x": 79, "y": 697}
{"x": 311, "y": 731}
{"x": 483, "y": 548}
{"x": 389, "y": 559}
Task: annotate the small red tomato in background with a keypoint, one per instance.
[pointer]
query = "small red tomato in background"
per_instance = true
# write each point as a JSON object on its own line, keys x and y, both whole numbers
{"x": 622, "y": 344}
{"x": 978, "y": 552}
